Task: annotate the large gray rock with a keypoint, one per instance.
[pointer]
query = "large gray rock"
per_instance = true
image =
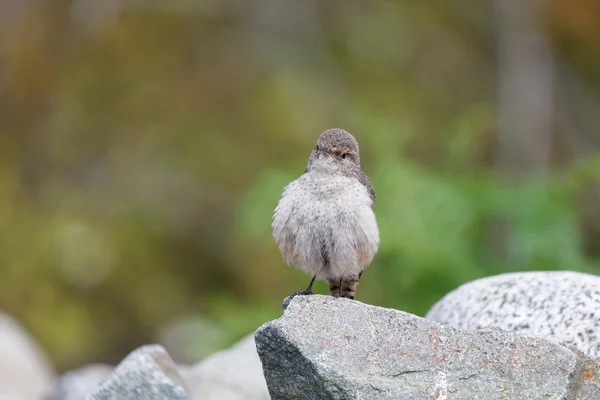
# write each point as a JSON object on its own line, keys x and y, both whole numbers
{"x": 25, "y": 372}
{"x": 330, "y": 348}
{"x": 147, "y": 373}
{"x": 76, "y": 384}
{"x": 232, "y": 374}
{"x": 561, "y": 304}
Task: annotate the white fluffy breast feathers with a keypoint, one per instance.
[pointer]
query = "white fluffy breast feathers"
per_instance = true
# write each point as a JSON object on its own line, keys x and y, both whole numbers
{"x": 324, "y": 225}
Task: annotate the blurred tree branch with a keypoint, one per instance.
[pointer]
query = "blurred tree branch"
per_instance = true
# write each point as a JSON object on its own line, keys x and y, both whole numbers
{"x": 525, "y": 89}
{"x": 525, "y": 103}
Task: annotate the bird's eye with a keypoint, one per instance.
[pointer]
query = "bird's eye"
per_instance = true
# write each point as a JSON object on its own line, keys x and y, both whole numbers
{"x": 345, "y": 155}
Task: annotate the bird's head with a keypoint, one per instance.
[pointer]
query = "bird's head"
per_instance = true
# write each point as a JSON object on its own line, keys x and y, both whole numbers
{"x": 336, "y": 150}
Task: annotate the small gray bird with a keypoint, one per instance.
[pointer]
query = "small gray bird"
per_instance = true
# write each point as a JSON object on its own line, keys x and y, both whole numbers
{"x": 324, "y": 223}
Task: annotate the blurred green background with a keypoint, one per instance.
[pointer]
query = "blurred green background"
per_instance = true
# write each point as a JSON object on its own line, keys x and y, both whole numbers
{"x": 145, "y": 144}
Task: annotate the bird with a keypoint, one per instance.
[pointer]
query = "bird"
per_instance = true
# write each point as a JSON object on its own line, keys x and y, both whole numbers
{"x": 324, "y": 224}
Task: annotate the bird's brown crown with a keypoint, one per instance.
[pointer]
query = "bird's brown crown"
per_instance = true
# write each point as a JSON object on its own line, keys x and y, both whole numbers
{"x": 337, "y": 140}
{"x": 342, "y": 149}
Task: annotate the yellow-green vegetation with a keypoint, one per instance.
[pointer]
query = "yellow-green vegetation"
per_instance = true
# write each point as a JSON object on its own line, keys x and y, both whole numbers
{"x": 144, "y": 146}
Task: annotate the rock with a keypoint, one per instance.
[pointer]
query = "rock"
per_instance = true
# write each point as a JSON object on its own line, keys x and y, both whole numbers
{"x": 75, "y": 385}
{"x": 147, "y": 373}
{"x": 589, "y": 380}
{"x": 232, "y": 374}
{"x": 286, "y": 302}
{"x": 188, "y": 340}
{"x": 561, "y": 304}
{"x": 25, "y": 372}
{"x": 330, "y": 348}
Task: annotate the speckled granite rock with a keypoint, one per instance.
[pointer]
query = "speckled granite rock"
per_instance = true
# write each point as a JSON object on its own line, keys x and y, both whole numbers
{"x": 147, "y": 373}
{"x": 327, "y": 349}
{"x": 560, "y": 304}
{"x": 76, "y": 384}
{"x": 231, "y": 374}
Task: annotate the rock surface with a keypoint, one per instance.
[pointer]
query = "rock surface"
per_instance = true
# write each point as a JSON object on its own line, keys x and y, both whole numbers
{"x": 329, "y": 348}
{"x": 76, "y": 384}
{"x": 147, "y": 373}
{"x": 232, "y": 374}
{"x": 25, "y": 372}
{"x": 561, "y": 304}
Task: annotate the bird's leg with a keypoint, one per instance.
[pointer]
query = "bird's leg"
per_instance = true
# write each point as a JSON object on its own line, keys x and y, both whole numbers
{"x": 335, "y": 287}
{"x": 345, "y": 287}
{"x": 309, "y": 288}
{"x": 308, "y": 291}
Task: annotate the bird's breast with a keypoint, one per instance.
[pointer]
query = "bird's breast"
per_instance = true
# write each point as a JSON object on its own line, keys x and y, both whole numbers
{"x": 325, "y": 225}
{"x": 341, "y": 191}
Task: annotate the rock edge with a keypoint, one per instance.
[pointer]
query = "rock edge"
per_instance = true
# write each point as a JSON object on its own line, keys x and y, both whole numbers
{"x": 329, "y": 348}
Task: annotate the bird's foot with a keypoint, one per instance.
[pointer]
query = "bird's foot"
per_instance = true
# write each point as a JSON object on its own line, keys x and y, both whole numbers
{"x": 342, "y": 296}
{"x": 286, "y": 301}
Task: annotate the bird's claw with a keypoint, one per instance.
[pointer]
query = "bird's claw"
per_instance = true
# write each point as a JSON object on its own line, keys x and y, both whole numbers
{"x": 287, "y": 300}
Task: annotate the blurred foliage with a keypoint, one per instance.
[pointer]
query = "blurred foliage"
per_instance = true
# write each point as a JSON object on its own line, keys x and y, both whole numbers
{"x": 144, "y": 146}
